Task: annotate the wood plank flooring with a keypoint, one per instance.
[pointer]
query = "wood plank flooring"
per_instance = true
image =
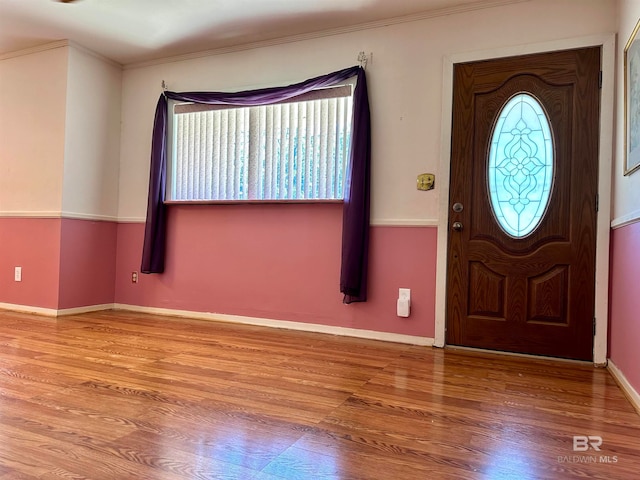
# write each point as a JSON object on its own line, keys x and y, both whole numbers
{"x": 116, "y": 395}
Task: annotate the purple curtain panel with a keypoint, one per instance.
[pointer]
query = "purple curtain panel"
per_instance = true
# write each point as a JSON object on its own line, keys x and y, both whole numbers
{"x": 355, "y": 231}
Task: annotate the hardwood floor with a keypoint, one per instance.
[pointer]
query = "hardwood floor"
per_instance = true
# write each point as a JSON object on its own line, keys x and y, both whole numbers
{"x": 116, "y": 395}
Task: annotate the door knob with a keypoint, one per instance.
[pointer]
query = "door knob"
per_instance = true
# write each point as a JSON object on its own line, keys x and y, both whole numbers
{"x": 457, "y": 226}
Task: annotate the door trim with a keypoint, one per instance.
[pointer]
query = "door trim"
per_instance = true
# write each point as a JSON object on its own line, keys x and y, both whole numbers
{"x": 605, "y": 156}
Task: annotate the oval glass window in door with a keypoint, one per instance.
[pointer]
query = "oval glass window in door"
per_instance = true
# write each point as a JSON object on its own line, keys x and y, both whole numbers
{"x": 521, "y": 165}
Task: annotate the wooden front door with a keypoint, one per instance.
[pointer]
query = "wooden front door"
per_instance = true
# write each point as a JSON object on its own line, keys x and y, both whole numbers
{"x": 523, "y": 202}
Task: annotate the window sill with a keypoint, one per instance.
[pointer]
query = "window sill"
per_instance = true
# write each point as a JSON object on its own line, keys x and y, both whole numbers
{"x": 249, "y": 202}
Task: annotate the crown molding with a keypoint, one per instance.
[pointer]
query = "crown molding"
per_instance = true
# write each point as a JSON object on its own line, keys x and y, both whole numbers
{"x": 36, "y": 49}
{"x": 59, "y": 44}
{"x": 440, "y": 12}
{"x": 91, "y": 53}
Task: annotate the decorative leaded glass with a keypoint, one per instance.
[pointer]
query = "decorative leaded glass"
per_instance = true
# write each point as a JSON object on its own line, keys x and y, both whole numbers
{"x": 520, "y": 165}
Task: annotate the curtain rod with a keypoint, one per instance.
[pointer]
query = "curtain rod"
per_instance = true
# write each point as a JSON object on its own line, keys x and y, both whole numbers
{"x": 363, "y": 59}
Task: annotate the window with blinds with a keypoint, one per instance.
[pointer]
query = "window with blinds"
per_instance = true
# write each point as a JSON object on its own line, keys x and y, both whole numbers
{"x": 291, "y": 150}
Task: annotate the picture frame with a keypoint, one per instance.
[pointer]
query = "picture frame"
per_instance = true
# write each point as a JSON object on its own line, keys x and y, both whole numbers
{"x": 632, "y": 102}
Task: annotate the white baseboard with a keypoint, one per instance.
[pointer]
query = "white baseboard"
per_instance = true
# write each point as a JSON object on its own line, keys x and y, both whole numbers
{"x": 47, "y": 312}
{"x": 220, "y": 317}
{"x": 52, "y": 312}
{"x": 631, "y": 393}
{"x": 266, "y": 322}
{"x": 89, "y": 308}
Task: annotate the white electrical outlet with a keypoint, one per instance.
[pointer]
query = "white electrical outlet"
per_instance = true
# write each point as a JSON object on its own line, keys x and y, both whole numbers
{"x": 404, "y": 302}
{"x": 404, "y": 294}
{"x": 18, "y": 274}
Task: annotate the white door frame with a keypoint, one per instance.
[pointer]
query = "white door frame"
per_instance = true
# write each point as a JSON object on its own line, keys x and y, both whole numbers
{"x": 605, "y": 157}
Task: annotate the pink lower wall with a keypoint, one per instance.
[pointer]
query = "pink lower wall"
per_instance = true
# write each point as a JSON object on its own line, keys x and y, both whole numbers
{"x": 280, "y": 262}
{"x": 34, "y": 245}
{"x": 66, "y": 263}
{"x": 624, "y": 301}
{"x": 231, "y": 260}
{"x": 87, "y": 263}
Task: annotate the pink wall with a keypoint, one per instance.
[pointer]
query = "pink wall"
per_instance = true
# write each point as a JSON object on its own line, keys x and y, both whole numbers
{"x": 65, "y": 263}
{"x": 280, "y": 262}
{"x": 624, "y": 327}
{"x": 33, "y": 244}
{"x": 277, "y": 262}
{"x": 87, "y": 263}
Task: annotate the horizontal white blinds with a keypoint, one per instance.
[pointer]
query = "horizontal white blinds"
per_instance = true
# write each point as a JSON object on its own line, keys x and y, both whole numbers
{"x": 295, "y": 150}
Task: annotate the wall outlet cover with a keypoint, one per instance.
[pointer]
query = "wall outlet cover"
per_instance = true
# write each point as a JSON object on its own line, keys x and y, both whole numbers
{"x": 404, "y": 294}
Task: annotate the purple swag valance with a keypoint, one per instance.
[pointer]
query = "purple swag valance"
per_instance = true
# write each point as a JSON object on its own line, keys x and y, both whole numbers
{"x": 355, "y": 230}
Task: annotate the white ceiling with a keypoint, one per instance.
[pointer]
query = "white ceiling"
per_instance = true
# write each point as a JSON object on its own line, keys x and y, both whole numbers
{"x": 131, "y": 31}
